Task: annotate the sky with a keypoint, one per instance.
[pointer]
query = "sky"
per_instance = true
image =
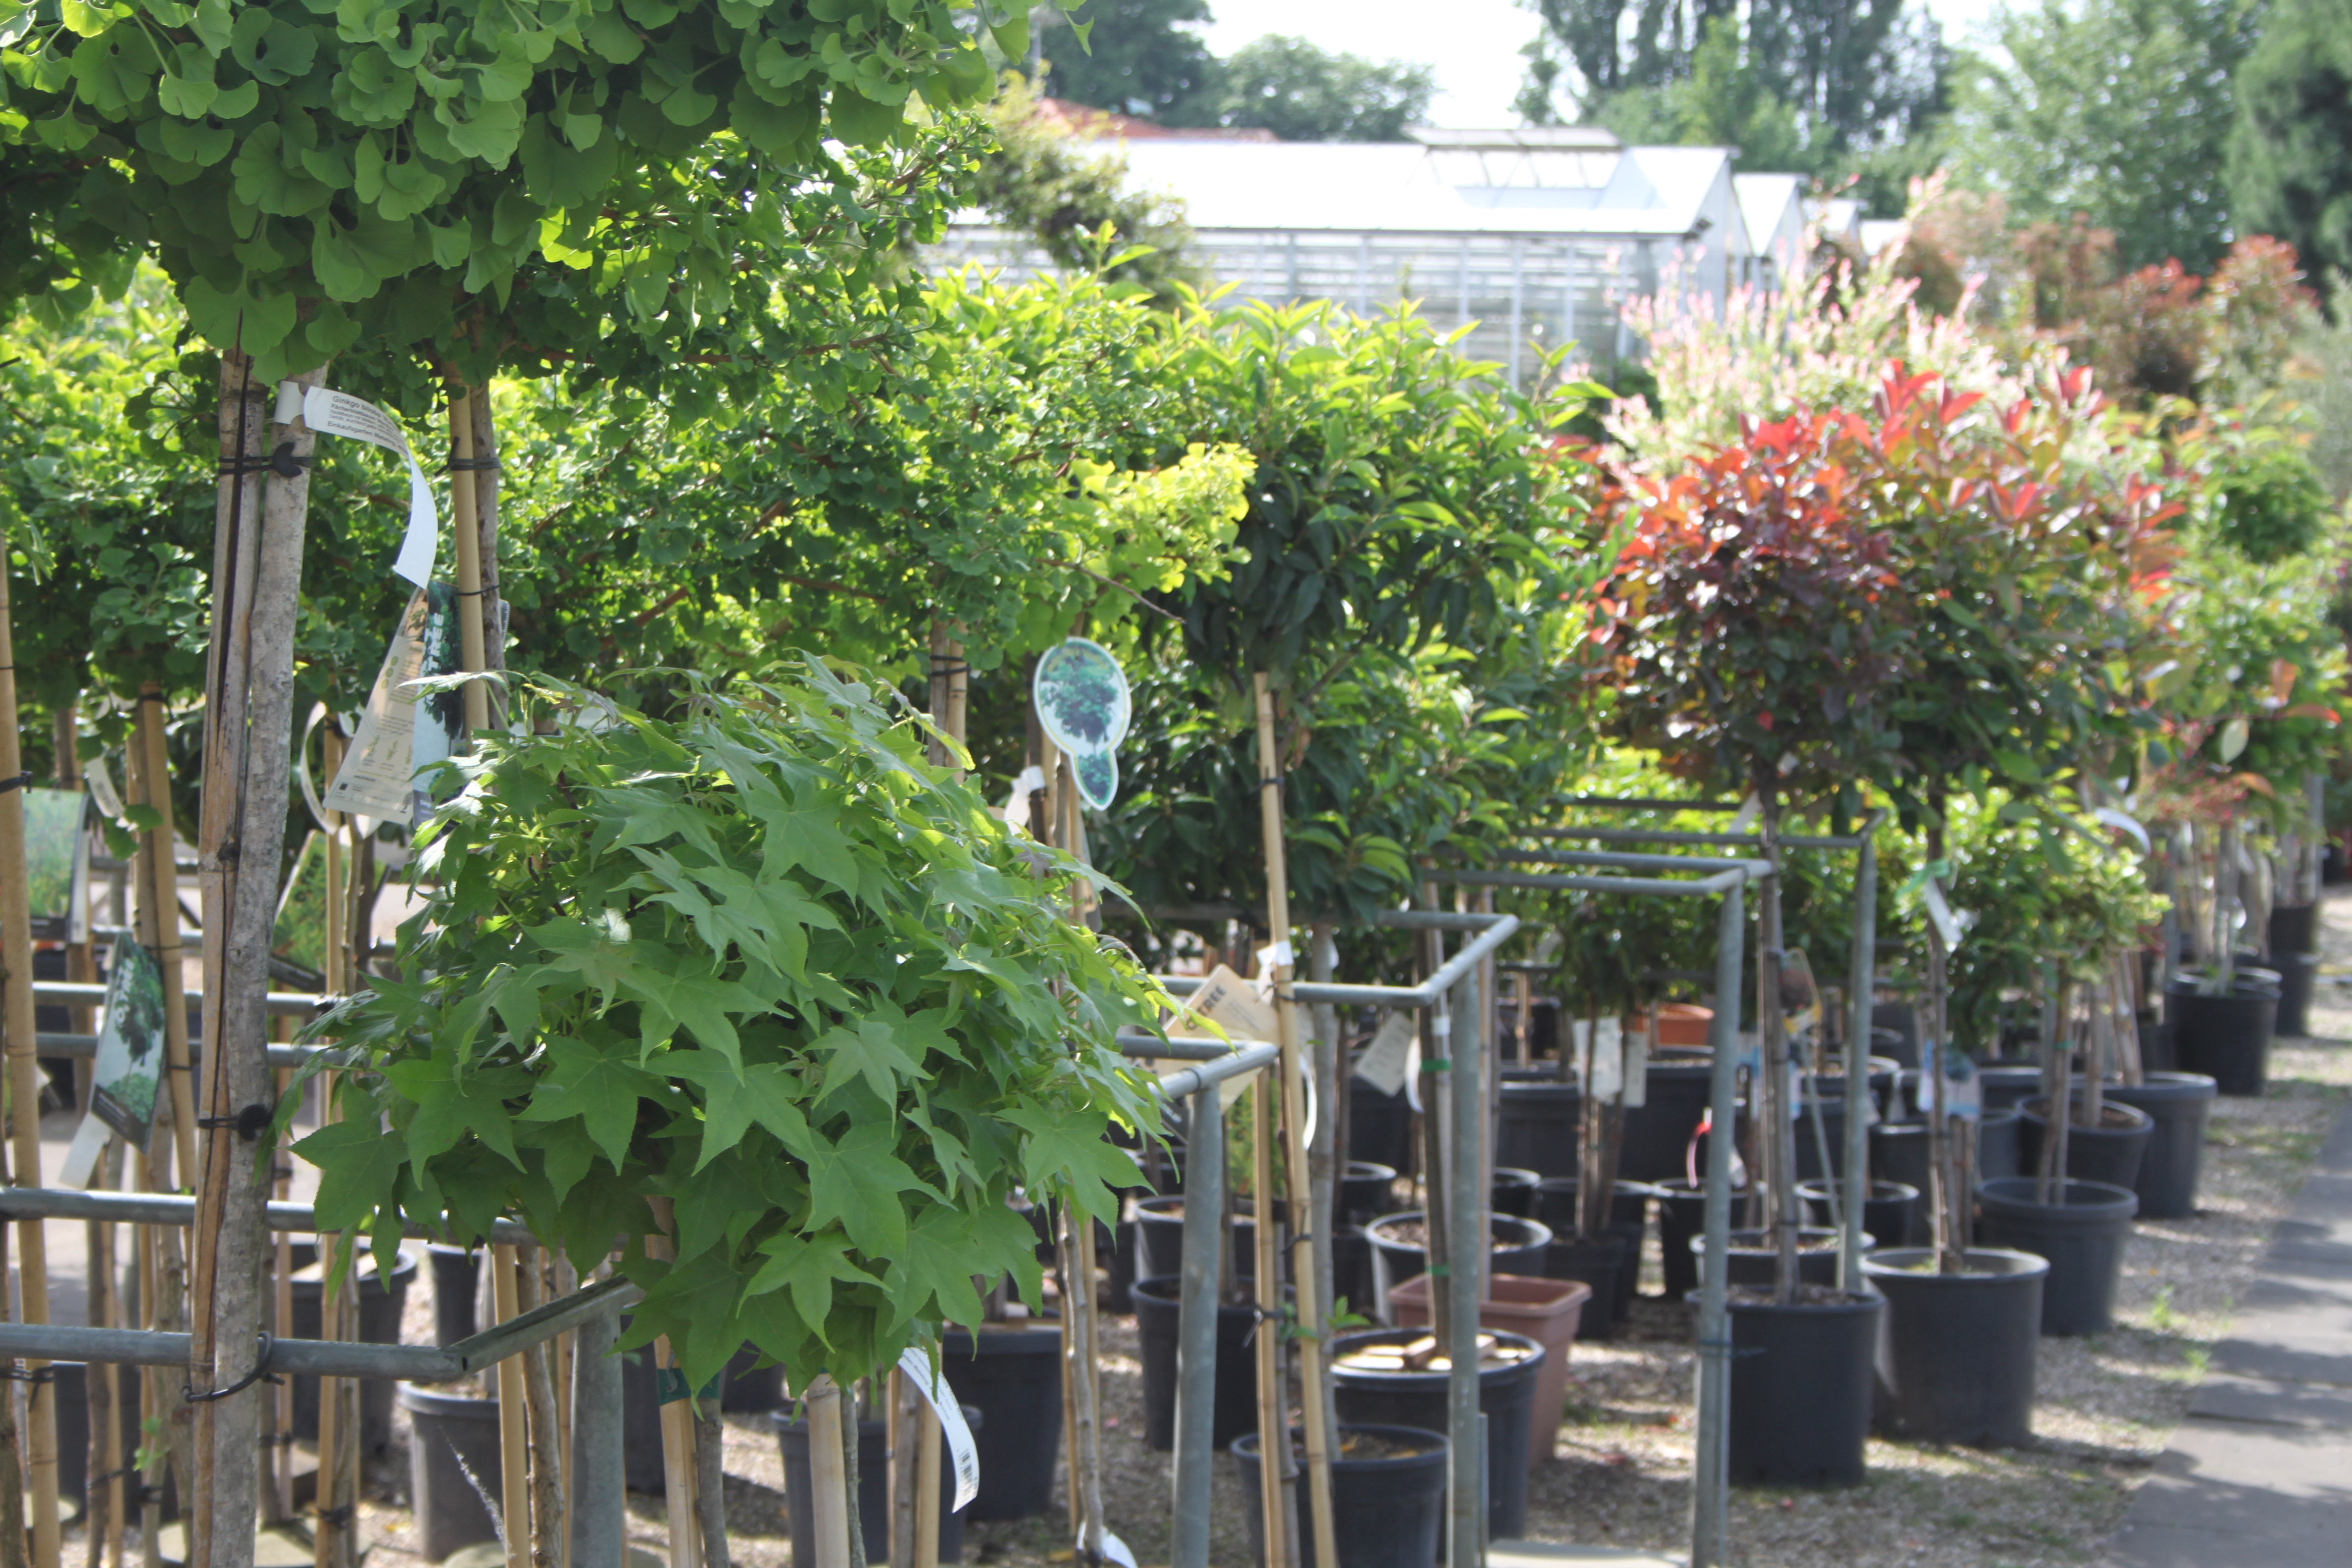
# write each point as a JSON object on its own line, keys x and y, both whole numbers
{"x": 1473, "y": 44}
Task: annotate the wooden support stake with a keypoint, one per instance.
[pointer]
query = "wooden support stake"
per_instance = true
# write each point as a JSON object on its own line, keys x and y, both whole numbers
{"x": 677, "y": 1427}
{"x": 514, "y": 1460}
{"x": 1307, "y": 1288}
{"x": 828, "y": 1475}
{"x": 927, "y": 1490}
{"x": 906, "y": 1415}
{"x": 547, "y": 1495}
{"x": 471, "y": 641}
{"x": 19, "y": 1026}
{"x": 162, "y": 892}
{"x": 1273, "y": 1431}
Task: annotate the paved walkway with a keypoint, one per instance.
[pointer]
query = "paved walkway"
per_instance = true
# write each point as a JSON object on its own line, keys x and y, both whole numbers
{"x": 2261, "y": 1470}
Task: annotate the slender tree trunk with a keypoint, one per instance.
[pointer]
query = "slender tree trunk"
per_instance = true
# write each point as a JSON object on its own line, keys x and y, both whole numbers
{"x": 1781, "y": 1127}
{"x": 247, "y": 748}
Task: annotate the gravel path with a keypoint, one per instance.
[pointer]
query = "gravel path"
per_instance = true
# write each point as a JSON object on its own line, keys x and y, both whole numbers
{"x": 1620, "y": 1474}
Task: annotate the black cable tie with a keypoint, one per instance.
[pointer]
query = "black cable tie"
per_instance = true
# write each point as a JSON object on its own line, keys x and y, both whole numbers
{"x": 286, "y": 465}
{"x": 39, "y": 1375}
{"x": 341, "y": 1517}
{"x": 248, "y": 1122}
{"x": 261, "y": 1360}
{"x": 241, "y": 465}
{"x": 469, "y": 593}
{"x": 22, "y": 781}
{"x": 473, "y": 466}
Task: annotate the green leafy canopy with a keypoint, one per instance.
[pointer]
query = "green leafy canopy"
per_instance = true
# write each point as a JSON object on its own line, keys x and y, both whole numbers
{"x": 765, "y": 963}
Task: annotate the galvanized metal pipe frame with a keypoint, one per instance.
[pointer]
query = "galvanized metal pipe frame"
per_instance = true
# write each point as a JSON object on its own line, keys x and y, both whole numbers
{"x": 1196, "y": 1327}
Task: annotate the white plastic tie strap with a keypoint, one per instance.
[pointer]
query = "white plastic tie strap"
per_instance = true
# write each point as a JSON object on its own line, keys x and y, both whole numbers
{"x": 331, "y": 413}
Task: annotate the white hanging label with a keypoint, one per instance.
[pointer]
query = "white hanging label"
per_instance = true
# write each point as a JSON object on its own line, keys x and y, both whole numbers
{"x": 962, "y": 1452}
{"x": 1637, "y": 1069}
{"x": 1608, "y": 1059}
{"x": 1744, "y": 818}
{"x": 2126, "y": 821}
{"x": 1114, "y": 1549}
{"x": 1383, "y": 1063}
{"x": 329, "y": 413}
{"x": 1950, "y": 924}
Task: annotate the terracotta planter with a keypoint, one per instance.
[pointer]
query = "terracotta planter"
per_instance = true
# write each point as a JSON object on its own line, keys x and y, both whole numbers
{"x": 1545, "y": 1310}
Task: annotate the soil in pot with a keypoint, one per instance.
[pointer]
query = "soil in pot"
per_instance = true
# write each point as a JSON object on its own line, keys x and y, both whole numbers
{"x": 2081, "y": 1235}
{"x": 1546, "y": 1311}
{"x": 1658, "y": 1132}
{"x": 1755, "y": 1262}
{"x": 1380, "y": 1126}
{"x": 1955, "y": 1359}
{"x": 873, "y": 1489}
{"x": 2110, "y": 1152}
{"x": 1801, "y": 1379}
{"x": 2178, "y": 1103}
{"x": 1013, "y": 1374}
{"x": 1388, "y": 1496}
{"x": 2226, "y": 1037}
{"x": 1628, "y": 1218}
{"x": 380, "y": 1311}
{"x": 1400, "y": 1250}
{"x": 1888, "y": 1214}
{"x": 1536, "y": 1128}
{"x": 1398, "y": 1377}
{"x": 1513, "y": 1190}
{"x": 1157, "y": 1315}
{"x": 451, "y": 1434}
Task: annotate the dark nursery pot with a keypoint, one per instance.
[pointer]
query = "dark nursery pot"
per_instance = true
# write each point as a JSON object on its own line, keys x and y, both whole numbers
{"x": 456, "y": 1278}
{"x": 1801, "y": 1379}
{"x": 1160, "y": 1239}
{"x": 1682, "y": 1215}
{"x": 1535, "y": 1130}
{"x": 1519, "y": 1248}
{"x": 1388, "y": 1510}
{"x": 1895, "y": 1032}
{"x": 2227, "y": 1038}
{"x": 1014, "y": 1377}
{"x": 2294, "y": 928}
{"x": 1888, "y": 1213}
{"x": 380, "y": 1311}
{"x": 1832, "y": 1123}
{"x": 2082, "y": 1236}
{"x": 1754, "y": 1263}
{"x": 1658, "y": 1132}
{"x": 1367, "y": 1192}
{"x": 1898, "y": 1150}
{"x": 1380, "y": 1126}
{"x": 2110, "y": 1152}
{"x": 2298, "y": 979}
{"x": 449, "y": 1435}
{"x": 2178, "y": 1103}
{"x": 1513, "y": 1190}
{"x": 1628, "y": 1218}
{"x": 1547, "y": 1311}
{"x": 1603, "y": 1263}
{"x": 873, "y": 1489}
{"x": 1999, "y": 1136}
{"x": 1156, "y": 1313}
{"x": 1956, "y": 1361}
{"x": 1374, "y": 1395}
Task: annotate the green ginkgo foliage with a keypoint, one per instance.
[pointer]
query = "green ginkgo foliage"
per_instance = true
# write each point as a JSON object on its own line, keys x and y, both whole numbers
{"x": 765, "y": 963}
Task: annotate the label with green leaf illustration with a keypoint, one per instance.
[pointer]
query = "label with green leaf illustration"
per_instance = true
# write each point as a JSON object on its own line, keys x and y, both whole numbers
{"x": 1083, "y": 704}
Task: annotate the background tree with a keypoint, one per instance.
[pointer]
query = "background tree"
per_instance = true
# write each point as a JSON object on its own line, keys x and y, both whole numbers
{"x": 1133, "y": 57}
{"x": 2115, "y": 110}
{"x": 2288, "y": 175}
{"x": 1303, "y": 93}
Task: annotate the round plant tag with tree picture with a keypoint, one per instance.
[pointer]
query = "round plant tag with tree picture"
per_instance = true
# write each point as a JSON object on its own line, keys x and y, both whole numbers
{"x": 1083, "y": 703}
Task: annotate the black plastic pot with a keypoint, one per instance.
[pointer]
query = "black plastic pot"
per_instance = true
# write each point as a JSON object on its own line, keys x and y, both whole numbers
{"x": 1386, "y": 1512}
{"x": 1513, "y": 1190}
{"x": 1535, "y": 1129}
{"x": 1351, "y": 1269}
{"x": 1160, "y": 1239}
{"x": 2004, "y": 1086}
{"x": 1380, "y": 1126}
{"x": 747, "y": 1388}
{"x": 2178, "y": 1103}
{"x": 380, "y": 1309}
{"x": 2082, "y": 1236}
{"x": 1418, "y": 1400}
{"x": 1998, "y": 1146}
{"x": 1753, "y": 1263}
{"x": 2110, "y": 1152}
{"x": 1120, "y": 1268}
{"x": 1658, "y": 1134}
{"x": 1898, "y": 1150}
{"x": 1604, "y": 1262}
{"x": 1518, "y": 1245}
{"x": 1895, "y": 1032}
{"x": 2295, "y": 927}
{"x": 1883, "y": 1073}
{"x": 1156, "y": 1316}
{"x": 1014, "y": 1380}
{"x": 1681, "y": 1214}
{"x": 1367, "y": 1192}
{"x": 873, "y": 1489}
{"x": 1888, "y": 1214}
{"x": 457, "y": 1279}
{"x": 1808, "y": 1155}
{"x": 1801, "y": 1377}
{"x": 1955, "y": 1359}
{"x": 1628, "y": 1219}
{"x": 2227, "y": 1038}
{"x": 2298, "y": 978}
{"x": 450, "y": 1434}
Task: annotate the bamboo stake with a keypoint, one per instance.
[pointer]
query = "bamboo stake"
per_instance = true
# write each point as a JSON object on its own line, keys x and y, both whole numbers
{"x": 164, "y": 887}
{"x": 514, "y": 1474}
{"x": 469, "y": 560}
{"x": 676, "y": 1434}
{"x": 15, "y": 1542}
{"x": 567, "y": 1280}
{"x": 1273, "y": 1431}
{"x": 927, "y": 1489}
{"x": 828, "y": 1474}
{"x": 938, "y": 746}
{"x": 334, "y": 1486}
{"x": 1077, "y": 1355}
{"x": 1308, "y": 1287}
{"x": 485, "y": 529}
{"x": 959, "y": 701}
{"x": 25, "y": 1089}
{"x": 906, "y": 1413}
{"x": 547, "y": 1494}
{"x": 151, "y": 908}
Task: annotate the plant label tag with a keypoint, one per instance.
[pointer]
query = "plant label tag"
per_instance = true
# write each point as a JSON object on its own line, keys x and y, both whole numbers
{"x": 1114, "y": 1549}
{"x": 1950, "y": 924}
{"x": 1384, "y": 1061}
{"x": 1235, "y": 1005}
{"x": 1637, "y": 1069}
{"x": 1608, "y": 1059}
{"x": 331, "y": 413}
{"x": 2126, "y": 822}
{"x": 962, "y": 1452}
{"x": 1745, "y": 817}
{"x": 1274, "y": 956}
